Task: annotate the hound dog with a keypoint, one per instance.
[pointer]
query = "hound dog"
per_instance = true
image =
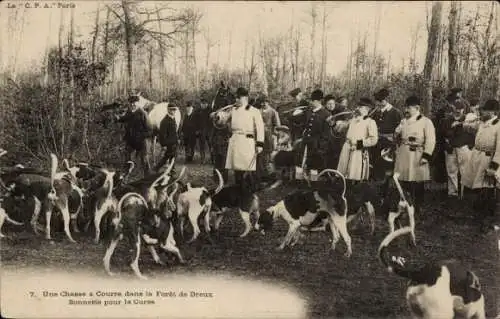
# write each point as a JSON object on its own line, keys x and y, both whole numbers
{"x": 53, "y": 192}
{"x": 233, "y": 197}
{"x": 302, "y": 209}
{"x": 436, "y": 289}
{"x": 195, "y": 201}
{"x": 3, "y": 214}
{"x": 135, "y": 221}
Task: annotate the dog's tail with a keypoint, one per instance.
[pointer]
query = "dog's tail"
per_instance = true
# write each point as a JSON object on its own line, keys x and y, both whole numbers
{"x": 53, "y": 170}
{"x": 109, "y": 183}
{"x": 394, "y": 264}
{"x": 221, "y": 183}
{"x": 13, "y": 222}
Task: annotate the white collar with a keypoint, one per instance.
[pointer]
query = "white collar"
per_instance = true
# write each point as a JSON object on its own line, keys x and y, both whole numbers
{"x": 387, "y": 107}
{"x": 316, "y": 109}
{"x": 490, "y": 121}
{"x": 414, "y": 117}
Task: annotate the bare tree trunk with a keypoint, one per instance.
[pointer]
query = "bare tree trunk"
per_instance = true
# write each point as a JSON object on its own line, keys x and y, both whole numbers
{"x": 452, "y": 45}
{"x": 60, "y": 87}
{"x": 46, "y": 60}
{"x": 375, "y": 43}
{"x": 95, "y": 35}
{"x": 252, "y": 68}
{"x": 230, "y": 49}
{"x": 150, "y": 63}
{"x": 163, "y": 73}
{"x": 128, "y": 45}
{"x": 71, "y": 55}
{"x": 314, "y": 15}
{"x": 323, "y": 48}
{"x": 431, "y": 55}
{"x": 193, "y": 53}
{"x": 484, "y": 70}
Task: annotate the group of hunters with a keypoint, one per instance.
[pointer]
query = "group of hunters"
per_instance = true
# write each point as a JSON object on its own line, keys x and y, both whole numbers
{"x": 371, "y": 140}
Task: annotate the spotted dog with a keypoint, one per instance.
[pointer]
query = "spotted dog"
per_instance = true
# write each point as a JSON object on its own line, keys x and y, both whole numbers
{"x": 302, "y": 209}
{"x": 440, "y": 289}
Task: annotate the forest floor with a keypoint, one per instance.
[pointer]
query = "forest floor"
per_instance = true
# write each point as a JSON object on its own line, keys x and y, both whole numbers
{"x": 332, "y": 285}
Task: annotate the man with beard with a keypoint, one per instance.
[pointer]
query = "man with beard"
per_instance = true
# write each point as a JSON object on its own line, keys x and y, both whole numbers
{"x": 387, "y": 118}
{"x": 415, "y": 139}
{"x": 482, "y": 171}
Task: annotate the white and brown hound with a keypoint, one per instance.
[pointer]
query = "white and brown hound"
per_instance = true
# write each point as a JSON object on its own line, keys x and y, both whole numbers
{"x": 436, "y": 289}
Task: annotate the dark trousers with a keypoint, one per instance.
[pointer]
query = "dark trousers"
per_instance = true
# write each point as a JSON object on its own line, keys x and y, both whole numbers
{"x": 169, "y": 154}
{"x": 485, "y": 204}
{"x": 142, "y": 153}
{"x": 204, "y": 144}
{"x": 189, "y": 145}
{"x": 245, "y": 179}
{"x": 417, "y": 191}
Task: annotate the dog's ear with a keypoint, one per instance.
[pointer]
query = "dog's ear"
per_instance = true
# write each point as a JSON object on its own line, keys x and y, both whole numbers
{"x": 472, "y": 280}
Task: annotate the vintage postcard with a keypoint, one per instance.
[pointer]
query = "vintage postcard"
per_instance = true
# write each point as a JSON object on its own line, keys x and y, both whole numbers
{"x": 249, "y": 159}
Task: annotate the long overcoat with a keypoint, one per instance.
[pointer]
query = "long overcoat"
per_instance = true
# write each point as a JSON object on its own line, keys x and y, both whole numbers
{"x": 354, "y": 160}
{"x": 247, "y": 129}
{"x": 484, "y": 155}
{"x": 416, "y": 139}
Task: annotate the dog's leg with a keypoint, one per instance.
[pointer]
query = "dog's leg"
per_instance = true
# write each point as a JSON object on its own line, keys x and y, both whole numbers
{"x": 218, "y": 218}
{"x": 370, "y": 210}
{"x": 206, "y": 219}
{"x": 36, "y": 214}
{"x": 411, "y": 217}
{"x": 99, "y": 213}
{"x": 74, "y": 217}
{"x": 194, "y": 223}
{"x": 391, "y": 218}
{"x": 292, "y": 228}
{"x": 109, "y": 253}
{"x": 156, "y": 258}
{"x": 246, "y": 220}
{"x": 135, "y": 262}
{"x": 3, "y": 216}
{"x": 171, "y": 246}
{"x": 48, "y": 216}
{"x": 335, "y": 233}
{"x": 341, "y": 224}
{"x": 66, "y": 219}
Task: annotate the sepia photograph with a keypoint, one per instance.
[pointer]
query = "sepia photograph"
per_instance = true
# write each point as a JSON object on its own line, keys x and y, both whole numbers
{"x": 249, "y": 159}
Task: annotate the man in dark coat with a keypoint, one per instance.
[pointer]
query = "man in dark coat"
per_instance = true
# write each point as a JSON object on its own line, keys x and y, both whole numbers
{"x": 316, "y": 134}
{"x": 204, "y": 127}
{"x": 387, "y": 118}
{"x": 335, "y": 140}
{"x": 138, "y": 134}
{"x": 167, "y": 136}
{"x": 189, "y": 131}
{"x": 297, "y": 118}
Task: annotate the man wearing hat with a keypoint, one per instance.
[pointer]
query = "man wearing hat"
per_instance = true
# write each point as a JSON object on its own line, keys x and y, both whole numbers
{"x": 167, "y": 136}
{"x": 316, "y": 134}
{"x": 337, "y": 140}
{"x": 482, "y": 171}
{"x": 297, "y": 118}
{"x": 387, "y": 118}
{"x": 247, "y": 139}
{"x": 458, "y": 142}
{"x": 415, "y": 139}
{"x": 189, "y": 129}
{"x": 271, "y": 120}
{"x": 362, "y": 133}
{"x": 203, "y": 127}
{"x": 457, "y": 95}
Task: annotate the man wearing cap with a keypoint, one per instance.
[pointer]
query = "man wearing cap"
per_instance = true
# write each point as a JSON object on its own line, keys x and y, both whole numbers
{"x": 387, "y": 118}
{"x": 316, "y": 134}
{"x": 138, "y": 133}
{"x": 415, "y": 139}
{"x": 203, "y": 127}
{"x": 297, "y": 118}
{"x": 167, "y": 136}
{"x": 189, "y": 130}
{"x": 457, "y": 94}
{"x": 458, "y": 143}
{"x": 247, "y": 139}
{"x": 362, "y": 133}
{"x": 271, "y": 120}
{"x": 482, "y": 171}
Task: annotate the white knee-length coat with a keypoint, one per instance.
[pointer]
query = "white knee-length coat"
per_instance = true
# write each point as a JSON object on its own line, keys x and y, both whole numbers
{"x": 354, "y": 164}
{"x": 247, "y": 128}
{"x": 409, "y": 153}
{"x": 485, "y": 152}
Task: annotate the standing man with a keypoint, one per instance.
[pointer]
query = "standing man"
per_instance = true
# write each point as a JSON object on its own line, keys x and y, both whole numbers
{"x": 168, "y": 137}
{"x": 247, "y": 139}
{"x": 316, "y": 135}
{"x": 483, "y": 168}
{"x": 138, "y": 133}
{"x": 271, "y": 120}
{"x": 189, "y": 131}
{"x": 362, "y": 133}
{"x": 415, "y": 138}
{"x": 335, "y": 140}
{"x": 203, "y": 128}
{"x": 387, "y": 118}
{"x": 458, "y": 143}
{"x": 297, "y": 118}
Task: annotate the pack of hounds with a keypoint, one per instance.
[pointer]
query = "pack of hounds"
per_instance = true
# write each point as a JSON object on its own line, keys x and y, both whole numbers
{"x": 155, "y": 209}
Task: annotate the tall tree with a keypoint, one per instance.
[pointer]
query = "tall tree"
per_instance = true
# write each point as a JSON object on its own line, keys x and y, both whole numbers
{"x": 432, "y": 41}
{"x": 452, "y": 45}
{"x": 95, "y": 35}
{"x": 312, "y": 69}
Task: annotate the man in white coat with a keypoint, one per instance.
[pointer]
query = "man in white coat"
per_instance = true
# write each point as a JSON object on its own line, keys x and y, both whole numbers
{"x": 247, "y": 139}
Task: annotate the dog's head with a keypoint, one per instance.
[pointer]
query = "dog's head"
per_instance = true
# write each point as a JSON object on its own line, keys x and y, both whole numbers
{"x": 266, "y": 219}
